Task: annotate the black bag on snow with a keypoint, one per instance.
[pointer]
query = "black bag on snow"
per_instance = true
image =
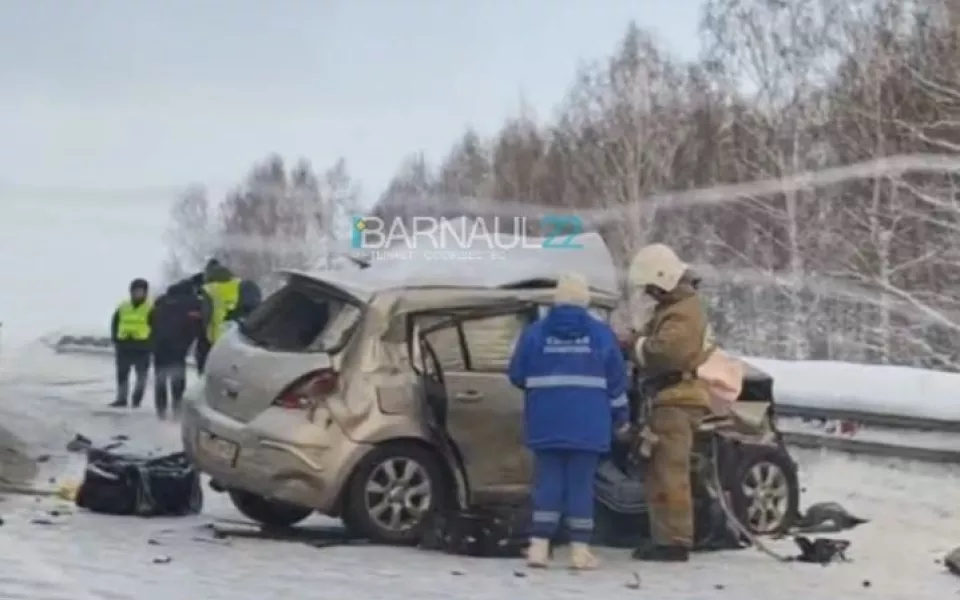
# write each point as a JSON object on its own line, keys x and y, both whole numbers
{"x": 120, "y": 484}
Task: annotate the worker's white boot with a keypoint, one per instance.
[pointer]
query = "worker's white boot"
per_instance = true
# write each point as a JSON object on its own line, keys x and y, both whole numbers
{"x": 581, "y": 558}
{"x": 538, "y": 554}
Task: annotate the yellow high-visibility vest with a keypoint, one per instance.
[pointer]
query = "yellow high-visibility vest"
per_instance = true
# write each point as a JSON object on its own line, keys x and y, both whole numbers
{"x": 133, "y": 323}
{"x": 224, "y": 296}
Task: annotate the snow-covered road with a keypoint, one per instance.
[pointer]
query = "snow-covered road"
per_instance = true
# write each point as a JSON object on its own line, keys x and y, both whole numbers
{"x": 49, "y": 551}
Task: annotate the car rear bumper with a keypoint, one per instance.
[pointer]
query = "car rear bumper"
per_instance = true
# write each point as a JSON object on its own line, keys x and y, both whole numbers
{"x": 280, "y": 455}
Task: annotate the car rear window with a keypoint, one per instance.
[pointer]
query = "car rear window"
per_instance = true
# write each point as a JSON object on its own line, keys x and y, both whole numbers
{"x": 302, "y": 316}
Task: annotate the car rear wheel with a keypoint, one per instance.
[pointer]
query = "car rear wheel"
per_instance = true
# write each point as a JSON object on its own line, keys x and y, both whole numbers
{"x": 392, "y": 493}
{"x": 765, "y": 491}
{"x": 271, "y": 513}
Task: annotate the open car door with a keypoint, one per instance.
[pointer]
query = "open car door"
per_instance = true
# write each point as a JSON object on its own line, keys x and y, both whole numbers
{"x": 483, "y": 415}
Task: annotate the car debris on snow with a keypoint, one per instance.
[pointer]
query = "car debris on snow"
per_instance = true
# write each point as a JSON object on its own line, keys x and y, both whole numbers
{"x": 952, "y": 561}
{"x": 821, "y": 551}
{"x": 824, "y": 517}
{"x": 317, "y": 537}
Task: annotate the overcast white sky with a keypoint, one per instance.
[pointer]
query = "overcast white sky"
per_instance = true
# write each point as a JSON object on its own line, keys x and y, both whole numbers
{"x": 142, "y": 97}
{"x": 129, "y": 93}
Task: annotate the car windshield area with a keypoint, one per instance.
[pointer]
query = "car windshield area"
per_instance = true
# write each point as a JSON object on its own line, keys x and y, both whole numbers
{"x": 303, "y": 316}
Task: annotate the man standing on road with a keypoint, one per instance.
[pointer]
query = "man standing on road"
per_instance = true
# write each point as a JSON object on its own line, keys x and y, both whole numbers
{"x": 131, "y": 335}
{"x": 202, "y": 346}
{"x": 674, "y": 343}
{"x": 176, "y": 321}
{"x": 571, "y": 369}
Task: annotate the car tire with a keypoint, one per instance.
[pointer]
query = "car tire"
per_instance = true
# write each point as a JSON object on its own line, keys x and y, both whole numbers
{"x": 765, "y": 490}
{"x": 415, "y": 501}
{"x": 271, "y": 513}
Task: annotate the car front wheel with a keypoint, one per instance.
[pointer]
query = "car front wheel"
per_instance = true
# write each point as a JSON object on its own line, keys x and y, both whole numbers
{"x": 765, "y": 491}
{"x": 271, "y": 513}
{"x": 392, "y": 493}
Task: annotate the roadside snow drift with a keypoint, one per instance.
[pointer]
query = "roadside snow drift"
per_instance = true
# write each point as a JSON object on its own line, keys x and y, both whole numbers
{"x": 867, "y": 388}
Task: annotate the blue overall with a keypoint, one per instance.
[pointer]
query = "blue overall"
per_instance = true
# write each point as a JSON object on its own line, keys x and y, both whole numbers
{"x": 570, "y": 366}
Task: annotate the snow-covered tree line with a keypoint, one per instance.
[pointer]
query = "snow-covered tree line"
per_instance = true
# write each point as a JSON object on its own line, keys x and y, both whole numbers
{"x": 279, "y": 218}
{"x": 865, "y": 269}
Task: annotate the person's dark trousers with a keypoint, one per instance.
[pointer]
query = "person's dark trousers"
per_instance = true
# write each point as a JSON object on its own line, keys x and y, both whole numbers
{"x": 200, "y": 352}
{"x": 170, "y": 373}
{"x": 137, "y": 360}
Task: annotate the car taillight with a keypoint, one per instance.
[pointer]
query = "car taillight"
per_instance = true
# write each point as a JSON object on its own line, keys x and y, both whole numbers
{"x": 301, "y": 394}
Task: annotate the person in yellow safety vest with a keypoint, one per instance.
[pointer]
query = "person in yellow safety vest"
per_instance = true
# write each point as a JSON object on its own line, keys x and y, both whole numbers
{"x": 228, "y": 299}
{"x": 131, "y": 335}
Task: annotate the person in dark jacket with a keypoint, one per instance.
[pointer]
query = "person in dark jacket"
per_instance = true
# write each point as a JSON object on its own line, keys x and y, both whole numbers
{"x": 572, "y": 371}
{"x": 201, "y": 346}
{"x": 176, "y": 322}
{"x": 132, "y": 336}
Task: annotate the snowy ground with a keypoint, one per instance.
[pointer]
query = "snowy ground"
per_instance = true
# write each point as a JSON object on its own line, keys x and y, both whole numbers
{"x": 47, "y": 398}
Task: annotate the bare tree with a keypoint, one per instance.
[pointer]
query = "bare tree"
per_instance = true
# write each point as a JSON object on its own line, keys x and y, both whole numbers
{"x": 190, "y": 234}
{"x": 627, "y": 127}
{"x": 862, "y": 269}
{"x": 779, "y": 50}
{"x": 339, "y": 202}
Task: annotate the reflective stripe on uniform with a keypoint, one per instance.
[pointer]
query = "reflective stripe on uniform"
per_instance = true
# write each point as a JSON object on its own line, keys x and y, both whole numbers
{"x": 580, "y": 524}
{"x": 546, "y": 516}
{"x": 566, "y": 350}
{"x": 619, "y": 402}
{"x": 551, "y": 381}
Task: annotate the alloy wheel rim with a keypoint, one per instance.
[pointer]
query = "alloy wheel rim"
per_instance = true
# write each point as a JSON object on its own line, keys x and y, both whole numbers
{"x": 398, "y": 494}
{"x": 767, "y": 491}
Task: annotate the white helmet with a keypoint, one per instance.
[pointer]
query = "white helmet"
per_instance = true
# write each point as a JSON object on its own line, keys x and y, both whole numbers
{"x": 658, "y": 265}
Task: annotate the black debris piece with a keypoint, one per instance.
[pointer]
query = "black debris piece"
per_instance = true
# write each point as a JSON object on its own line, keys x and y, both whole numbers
{"x": 79, "y": 443}
{"x": 952, "y": 561}
{"x": 827, "y": 517}
{"x": 316, "y": 536}
{"x": 821, "y": 551}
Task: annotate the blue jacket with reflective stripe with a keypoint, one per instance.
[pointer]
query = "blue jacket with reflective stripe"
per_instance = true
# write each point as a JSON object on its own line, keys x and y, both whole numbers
{"x": 571, "y": 368}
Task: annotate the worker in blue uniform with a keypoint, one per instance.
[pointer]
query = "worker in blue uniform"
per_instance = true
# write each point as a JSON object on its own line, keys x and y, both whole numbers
{"x": 572, "y": 371}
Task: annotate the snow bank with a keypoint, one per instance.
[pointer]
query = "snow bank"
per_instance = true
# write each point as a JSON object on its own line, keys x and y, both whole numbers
{"x": 866, "y": 388}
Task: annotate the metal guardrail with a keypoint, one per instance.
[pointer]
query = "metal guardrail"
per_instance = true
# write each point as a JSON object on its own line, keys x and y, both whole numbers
{"x": 82, "y": 344}
{"x": 87, "y": 344}
{"x": 877, "y": 420}
{"x": 869, "y": 448}
{"x": 872, "y": 419}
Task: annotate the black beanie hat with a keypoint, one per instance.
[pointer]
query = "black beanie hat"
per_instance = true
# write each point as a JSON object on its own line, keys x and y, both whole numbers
{"x": 139, "y": 284}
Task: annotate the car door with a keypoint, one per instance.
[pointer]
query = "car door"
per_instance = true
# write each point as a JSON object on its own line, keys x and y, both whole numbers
{"x": 484, "y": 414}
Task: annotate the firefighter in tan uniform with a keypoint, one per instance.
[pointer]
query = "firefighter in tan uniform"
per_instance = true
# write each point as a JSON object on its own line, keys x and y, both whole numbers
{"x": 669, "y": 350}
